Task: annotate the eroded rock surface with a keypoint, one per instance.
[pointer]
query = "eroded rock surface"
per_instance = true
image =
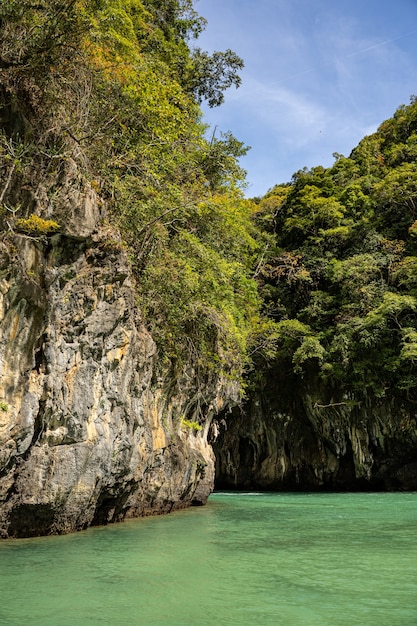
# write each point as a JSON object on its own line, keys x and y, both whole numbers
{"x": 290, "y": 437}
{"x": 90, "y": 422}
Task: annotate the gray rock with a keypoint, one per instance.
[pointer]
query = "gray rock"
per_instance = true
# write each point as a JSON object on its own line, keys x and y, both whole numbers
{"x": 90, "y": 428}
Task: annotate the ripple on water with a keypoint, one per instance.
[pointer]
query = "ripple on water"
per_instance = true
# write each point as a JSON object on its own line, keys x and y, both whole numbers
{"x": 244, "y": 559}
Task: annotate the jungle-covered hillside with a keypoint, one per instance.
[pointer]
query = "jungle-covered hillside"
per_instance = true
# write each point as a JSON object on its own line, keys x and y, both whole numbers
{"x": 318, "y": 277}
{"x": 340, "y": 283}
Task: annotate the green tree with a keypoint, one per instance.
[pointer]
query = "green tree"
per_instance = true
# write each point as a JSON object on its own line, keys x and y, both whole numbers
{"x": 210, "y": 75}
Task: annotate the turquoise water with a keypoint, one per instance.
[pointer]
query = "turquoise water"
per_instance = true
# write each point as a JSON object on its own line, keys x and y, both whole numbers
{"x": 244, "y": 559}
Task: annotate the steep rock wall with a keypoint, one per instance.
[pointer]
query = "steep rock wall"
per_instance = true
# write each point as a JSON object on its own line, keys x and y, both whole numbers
{"x": 288, "y": 436}
{"x": 90, "y": 421}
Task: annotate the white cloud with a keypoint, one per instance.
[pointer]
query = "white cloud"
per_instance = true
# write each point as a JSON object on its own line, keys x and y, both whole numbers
{"x": 318, "y": 77}
{"x": 281, "y": 109}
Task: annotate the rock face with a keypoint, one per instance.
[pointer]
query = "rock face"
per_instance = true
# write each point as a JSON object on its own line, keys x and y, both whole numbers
{"x": 94, "y": 428}
{"x": 90, "y": 422}
{"x": 288, "y": 438}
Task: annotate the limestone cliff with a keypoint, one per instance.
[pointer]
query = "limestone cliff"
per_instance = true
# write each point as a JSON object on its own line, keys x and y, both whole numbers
{"x": 93, "y": 428}
{"x": 295, "y": 436}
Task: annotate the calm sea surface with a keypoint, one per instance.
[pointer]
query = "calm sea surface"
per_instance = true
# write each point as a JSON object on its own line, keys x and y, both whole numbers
{"x": 244, "y": 559}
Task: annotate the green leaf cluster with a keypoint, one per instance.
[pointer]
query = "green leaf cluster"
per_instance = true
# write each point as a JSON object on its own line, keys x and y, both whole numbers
{"x": 35, "y": 225}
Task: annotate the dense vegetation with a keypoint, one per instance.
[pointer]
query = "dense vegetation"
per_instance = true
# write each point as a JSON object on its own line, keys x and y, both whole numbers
{"x": 115, "y": 85}
{"x": 341, "y": 284}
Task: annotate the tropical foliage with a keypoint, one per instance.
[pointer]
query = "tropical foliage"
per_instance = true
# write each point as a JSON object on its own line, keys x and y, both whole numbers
{"x": 116, "y": 85}
{"x": 340, "y": 284}
{"x": 317, "y": 278}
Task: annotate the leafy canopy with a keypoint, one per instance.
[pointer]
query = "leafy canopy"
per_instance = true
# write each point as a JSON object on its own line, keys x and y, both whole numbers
{"x": 339, "y": 284}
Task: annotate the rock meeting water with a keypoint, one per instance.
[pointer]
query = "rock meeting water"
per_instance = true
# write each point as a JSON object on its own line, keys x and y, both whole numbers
{"x": 244, "y": 559}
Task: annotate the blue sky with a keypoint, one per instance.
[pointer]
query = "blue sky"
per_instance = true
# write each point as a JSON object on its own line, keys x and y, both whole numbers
{"x": 319, "y": 75}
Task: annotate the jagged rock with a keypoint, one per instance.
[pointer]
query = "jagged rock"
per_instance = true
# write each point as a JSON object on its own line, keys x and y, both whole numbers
{"x": 90, "y": 421}
{"x": 287, "y": 438}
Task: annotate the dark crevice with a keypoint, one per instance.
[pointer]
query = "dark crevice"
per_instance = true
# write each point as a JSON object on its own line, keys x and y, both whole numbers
{"x": 111, "y": 507}
{"x": 39, "y": 356}
{"x": 31, "y": 520}
{"x": 39, "y": 425}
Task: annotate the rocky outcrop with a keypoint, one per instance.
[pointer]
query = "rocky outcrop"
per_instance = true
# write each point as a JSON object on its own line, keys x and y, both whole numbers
{"x": 290, "y": 436}
{"x": 93, "y": 428}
